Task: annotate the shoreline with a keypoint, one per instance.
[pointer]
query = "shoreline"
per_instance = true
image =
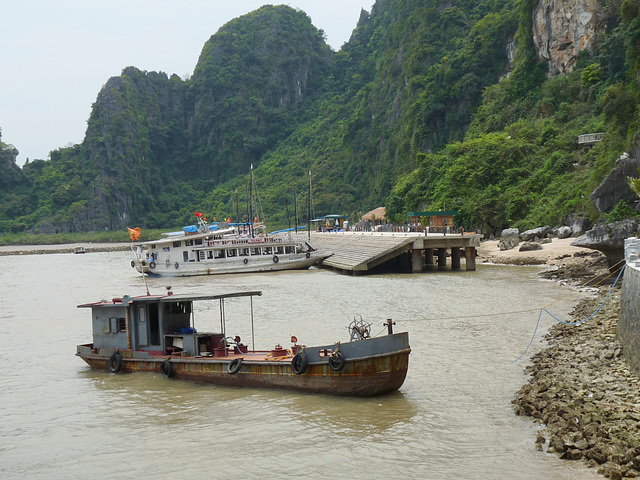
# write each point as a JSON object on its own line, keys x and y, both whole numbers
{"x": 580, "y": 389}
{"x": 62, "y": 248}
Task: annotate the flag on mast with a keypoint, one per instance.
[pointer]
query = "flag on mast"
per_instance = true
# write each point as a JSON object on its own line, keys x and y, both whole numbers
{"x": 134, "y": 233}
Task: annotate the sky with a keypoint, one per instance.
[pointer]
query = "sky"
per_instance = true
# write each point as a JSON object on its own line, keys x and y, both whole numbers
{"x": 55, "y": 55}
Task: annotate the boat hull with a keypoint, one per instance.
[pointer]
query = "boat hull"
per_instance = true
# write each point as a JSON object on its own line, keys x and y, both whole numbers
{"x": 297, "y": 262}
{"x": 372, "y": 367}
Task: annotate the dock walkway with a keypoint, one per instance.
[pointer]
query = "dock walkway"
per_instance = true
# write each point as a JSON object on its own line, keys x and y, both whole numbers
{"x": 358, "y": 252}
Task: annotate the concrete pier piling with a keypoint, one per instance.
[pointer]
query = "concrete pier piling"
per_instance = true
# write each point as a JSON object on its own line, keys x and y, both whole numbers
{"x": 359, "y": 252}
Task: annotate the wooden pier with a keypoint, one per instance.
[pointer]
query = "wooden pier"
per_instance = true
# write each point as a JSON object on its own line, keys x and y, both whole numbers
{"x": 359, "y": 252}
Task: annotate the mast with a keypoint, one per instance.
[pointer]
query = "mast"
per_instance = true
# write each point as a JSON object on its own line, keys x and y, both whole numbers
{"x": 309, "y": 224}
{"x": 251, "y": 203}
{"x": 237, "y": 207}
{"x": 295, "y": 206}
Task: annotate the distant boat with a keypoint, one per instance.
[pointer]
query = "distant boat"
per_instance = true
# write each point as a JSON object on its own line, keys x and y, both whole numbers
{"x": 157, "y": 333}
{"x": 205, "y": 249}
{"x": 79, "y": 250}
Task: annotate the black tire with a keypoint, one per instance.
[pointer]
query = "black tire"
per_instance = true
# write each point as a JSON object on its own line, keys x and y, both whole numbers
{"x": 299, "y": 363}
{"x": 308, "y": 254}
{"x": 337, "y": 361}
{"x": 152, "y": 264}
{"x": 234, "y": 366}
{"x": 166, "y": 369}
{"x": 246, "y": 260}
{"x": 115, "y": 362}
{"x": 275, "y": 259}
{"x": 133, "y": 264}
{"x": 177, "y": 265}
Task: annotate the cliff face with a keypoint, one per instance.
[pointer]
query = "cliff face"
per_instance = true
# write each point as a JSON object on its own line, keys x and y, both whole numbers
{"x": 564, "y": 28}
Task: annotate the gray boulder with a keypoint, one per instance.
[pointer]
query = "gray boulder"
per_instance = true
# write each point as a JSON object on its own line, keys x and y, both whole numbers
{"x": 578, "y": 223}
{"x": 564, "y": 231}
{"x": 530, "y": 246}
{"x": 615, "y": 186}
{"x": 608, "y": 238}
{"x": 509, "y": 238}
{"x": 535, "y": 234}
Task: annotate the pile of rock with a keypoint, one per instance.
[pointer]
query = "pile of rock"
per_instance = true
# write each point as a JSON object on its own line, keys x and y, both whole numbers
{"x": 533, "y": 239}
{"x": 583, "y": 392}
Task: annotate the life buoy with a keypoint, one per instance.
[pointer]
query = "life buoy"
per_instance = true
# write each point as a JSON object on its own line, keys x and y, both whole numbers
{"x": 166, "y": 369}
{"x": 152, "y": 264}
{"x": 337, "y": 361}
{"x": 234, "y": 366}
{"x": 133, "y": 264}
{"x": 299, "y": 363}
{"x": 275, "y": 259}
{"x": 308, "y": 254}
{"x": 115, "y": 362}
{"x": 246, "y": 260}
{"x": 176, "y": 265}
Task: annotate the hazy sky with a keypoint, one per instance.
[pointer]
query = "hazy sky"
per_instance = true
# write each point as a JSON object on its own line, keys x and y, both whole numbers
{"x": 57, "y": 54}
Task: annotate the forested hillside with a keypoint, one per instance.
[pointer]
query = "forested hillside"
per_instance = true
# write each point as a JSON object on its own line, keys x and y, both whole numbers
{"x": 431, "y": 104}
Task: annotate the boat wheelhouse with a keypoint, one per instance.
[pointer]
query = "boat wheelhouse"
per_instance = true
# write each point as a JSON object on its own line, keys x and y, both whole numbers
{"x": 157, "y": 333}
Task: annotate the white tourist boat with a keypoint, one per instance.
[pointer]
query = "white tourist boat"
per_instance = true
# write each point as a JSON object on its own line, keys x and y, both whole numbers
{"x": 206, "y": 249}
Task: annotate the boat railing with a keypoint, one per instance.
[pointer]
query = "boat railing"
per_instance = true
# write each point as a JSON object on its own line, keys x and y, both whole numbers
{"x": 245, "y": 241}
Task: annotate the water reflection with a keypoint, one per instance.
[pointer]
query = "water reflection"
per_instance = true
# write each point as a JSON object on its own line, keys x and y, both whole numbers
{"x": 142, "y": 397}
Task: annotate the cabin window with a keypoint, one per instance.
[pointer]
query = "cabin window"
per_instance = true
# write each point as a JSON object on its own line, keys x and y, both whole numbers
{"x": 279, "y": 250}
{"x": 174, "y": 308}
{"x": 188, "y": 243}
{"x": 255, "y": 251}
{"x": 122, "y": 325}
{"x": 185, "y": 256}
{"x": 219, "y": 254}
{"x": 289, "y": 249}
{"x": 154, "y": 324}
{"x": 200, "y": 255}
{"x": 209, "y": 254}
{"x": 244, "y": 252}
{"x": 176, "y": 244}
{"x": 268, "y": 250}
{"x": 153, "y": 247}
{"x": 143, "y": 332}
{"x": 198, "y": 241}
{"x": 232, "y": 252}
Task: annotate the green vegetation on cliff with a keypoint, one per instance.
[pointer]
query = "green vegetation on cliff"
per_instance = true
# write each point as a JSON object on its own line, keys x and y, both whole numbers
{"x": 422, "y": 109}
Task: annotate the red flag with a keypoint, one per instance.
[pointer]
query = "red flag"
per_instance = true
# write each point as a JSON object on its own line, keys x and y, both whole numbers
{"x": 197, "y": 214}
{"x": 134, "y": 233}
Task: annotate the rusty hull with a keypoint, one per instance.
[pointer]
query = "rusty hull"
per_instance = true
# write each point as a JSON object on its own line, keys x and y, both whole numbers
{"x": 367, "y": 376}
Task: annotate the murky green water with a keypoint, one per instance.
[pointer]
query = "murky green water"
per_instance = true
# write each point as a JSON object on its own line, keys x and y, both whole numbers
{"x": 451, "y": 419}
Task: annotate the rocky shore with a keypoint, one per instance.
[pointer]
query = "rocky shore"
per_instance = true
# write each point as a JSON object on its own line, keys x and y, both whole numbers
{"x": 580, "y": 391}
{"x": 584, "y": 394}
{"x": 67, "y": 248}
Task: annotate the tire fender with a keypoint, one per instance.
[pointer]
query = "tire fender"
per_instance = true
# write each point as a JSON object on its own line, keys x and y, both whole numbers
{"x": 299, "y": 363}
{"x": 166, "y": 369}
{"x": 337, "y": 361}
{"x": 115, "y": 362}
{"x": 234, "y": 366}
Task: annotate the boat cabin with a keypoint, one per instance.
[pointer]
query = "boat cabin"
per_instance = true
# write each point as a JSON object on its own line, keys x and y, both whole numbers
{"x": 158, "y": 325}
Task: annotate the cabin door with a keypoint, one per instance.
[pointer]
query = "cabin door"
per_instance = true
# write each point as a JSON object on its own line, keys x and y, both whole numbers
{"x": 143, "y": 331}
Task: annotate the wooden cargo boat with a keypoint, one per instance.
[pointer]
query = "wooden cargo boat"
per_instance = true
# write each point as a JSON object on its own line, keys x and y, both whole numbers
{"x": 156, "y": 333}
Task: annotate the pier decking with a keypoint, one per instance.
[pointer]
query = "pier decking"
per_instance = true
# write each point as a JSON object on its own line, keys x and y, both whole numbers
{"x": 358, "y": 252}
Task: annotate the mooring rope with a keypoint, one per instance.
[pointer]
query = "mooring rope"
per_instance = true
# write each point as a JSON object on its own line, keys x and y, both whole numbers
{"x": 544, "y": 310}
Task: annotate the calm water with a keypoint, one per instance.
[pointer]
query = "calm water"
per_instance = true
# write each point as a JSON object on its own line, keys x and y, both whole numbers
{"x": 452, "y": 418}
